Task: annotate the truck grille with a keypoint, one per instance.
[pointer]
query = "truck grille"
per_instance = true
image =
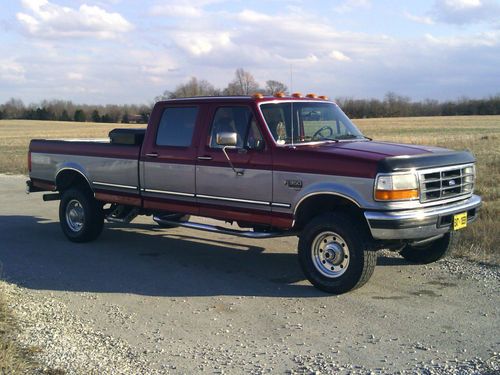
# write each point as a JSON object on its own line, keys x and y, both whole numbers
{"x": 447, "y": 182}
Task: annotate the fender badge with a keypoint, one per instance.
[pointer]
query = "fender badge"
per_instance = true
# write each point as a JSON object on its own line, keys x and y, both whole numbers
{"x": 294, "y": 184}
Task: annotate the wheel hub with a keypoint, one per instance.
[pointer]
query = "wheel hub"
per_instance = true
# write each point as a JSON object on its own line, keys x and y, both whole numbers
{"x": 75, "y": 215}
{"x": 330, "y": 254}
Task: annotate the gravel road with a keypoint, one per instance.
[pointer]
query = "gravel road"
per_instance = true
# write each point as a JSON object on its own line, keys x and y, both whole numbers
{"x": 145, "y": 300}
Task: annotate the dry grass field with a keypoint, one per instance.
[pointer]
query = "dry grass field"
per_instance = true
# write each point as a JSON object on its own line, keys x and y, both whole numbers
{"x": 478, "y": 134}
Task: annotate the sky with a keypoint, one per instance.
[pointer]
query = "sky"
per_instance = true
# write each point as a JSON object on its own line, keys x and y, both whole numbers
{"x": 128, "y": 51}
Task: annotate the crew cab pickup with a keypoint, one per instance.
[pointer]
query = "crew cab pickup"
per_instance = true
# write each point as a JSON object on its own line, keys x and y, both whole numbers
{"x": 276, "y": 166}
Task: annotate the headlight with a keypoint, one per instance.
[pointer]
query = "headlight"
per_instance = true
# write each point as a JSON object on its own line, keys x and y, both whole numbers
{"x": 396, "y": 187}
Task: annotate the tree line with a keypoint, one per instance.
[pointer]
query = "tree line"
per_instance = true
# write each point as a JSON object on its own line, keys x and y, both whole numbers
{"x": 244, "y": 83}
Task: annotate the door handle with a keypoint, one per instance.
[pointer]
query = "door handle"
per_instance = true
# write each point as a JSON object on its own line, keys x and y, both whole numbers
{"x": 152, "y": 154}
{"x": 204, "y": 158}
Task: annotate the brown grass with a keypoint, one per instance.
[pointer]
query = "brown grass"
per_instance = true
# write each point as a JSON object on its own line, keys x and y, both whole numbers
{"x": 478, "y": 134}
{"x": 13, "y": 359}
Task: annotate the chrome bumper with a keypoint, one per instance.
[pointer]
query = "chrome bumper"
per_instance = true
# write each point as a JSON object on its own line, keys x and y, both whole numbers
{"x": 419, "y": 223}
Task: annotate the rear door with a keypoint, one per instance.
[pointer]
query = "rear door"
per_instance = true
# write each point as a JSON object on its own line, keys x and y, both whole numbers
{"x": 169, "y": 157}
{"x": 222, "y": 193}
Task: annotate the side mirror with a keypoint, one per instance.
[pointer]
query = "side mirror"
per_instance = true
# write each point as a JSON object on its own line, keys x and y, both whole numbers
{"x": 227, "y": 139}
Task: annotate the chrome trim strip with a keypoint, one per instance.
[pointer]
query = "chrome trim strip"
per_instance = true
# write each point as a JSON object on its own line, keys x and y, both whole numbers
{"x": 115, "y": 185}
{"x": 286, "y": 205}
{"x": 232, "y": 199}
{"x": 169, "y": 192}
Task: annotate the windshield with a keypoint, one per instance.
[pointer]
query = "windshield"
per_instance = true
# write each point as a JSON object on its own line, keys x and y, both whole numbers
{"x": 312, "y": 122}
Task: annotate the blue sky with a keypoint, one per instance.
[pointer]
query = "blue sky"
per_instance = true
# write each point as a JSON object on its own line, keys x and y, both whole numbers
{"x": 124, "y": 51}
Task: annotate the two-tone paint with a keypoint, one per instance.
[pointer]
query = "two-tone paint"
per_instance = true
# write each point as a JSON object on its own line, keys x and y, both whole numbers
{"x": 275, "y": 182}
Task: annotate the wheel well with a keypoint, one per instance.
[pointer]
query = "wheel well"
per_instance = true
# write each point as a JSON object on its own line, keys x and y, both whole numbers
{"x": 322, "y": 203}
{"x": 71, "y": 178}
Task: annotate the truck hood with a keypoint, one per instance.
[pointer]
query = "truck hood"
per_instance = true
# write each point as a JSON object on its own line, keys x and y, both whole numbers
{"x": 367, "y": 158}
{"x": 376, "y": 150}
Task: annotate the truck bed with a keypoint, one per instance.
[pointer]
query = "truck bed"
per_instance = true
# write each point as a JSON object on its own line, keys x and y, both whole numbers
{"x": 109, "y": 168}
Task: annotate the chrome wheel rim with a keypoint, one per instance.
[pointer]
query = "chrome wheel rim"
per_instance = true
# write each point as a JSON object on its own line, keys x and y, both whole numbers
{"x": 75, "y": 215}
{"x": 330, "y": 254}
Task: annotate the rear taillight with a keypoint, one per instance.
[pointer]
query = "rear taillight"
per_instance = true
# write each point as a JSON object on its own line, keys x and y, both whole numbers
{"x": 29, "y": 161}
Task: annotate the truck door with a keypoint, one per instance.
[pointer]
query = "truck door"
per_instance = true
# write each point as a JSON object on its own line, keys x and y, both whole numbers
{"x": 168, "y": 160}
{"x": 243, "y": 194}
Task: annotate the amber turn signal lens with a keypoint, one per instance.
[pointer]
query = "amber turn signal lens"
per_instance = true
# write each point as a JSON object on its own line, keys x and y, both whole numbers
{"x": 394, "y": 195}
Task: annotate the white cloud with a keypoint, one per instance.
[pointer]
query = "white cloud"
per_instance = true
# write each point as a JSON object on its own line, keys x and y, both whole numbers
{"x": 183, "y": 10}
{"x": 48, "y": 20}
{"x": 199, "y": 43}
{"x": 11, "y": 71}
{"x": 466, "y": 11}
{"x": 74, "y": 76}
{"x": 426, "y": 20}
{"x": 339, "y": 56}
{"x": 351, "y": 5}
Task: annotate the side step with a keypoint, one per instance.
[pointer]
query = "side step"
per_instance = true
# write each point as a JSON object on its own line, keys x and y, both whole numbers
{"x": 122, "y": 215}
{"x": 222, "y": 230}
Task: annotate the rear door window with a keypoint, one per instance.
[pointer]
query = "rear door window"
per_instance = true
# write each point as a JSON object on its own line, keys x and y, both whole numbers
{"x": 177, "y": 126}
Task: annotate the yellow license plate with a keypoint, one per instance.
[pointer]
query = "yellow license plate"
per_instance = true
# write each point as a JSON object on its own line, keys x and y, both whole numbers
{"x": 459, "y": 221}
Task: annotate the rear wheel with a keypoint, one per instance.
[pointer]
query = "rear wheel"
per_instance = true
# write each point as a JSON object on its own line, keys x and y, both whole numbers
{"x": 80, "y": 215}
{"x": 334, "y": 253}
{"x": 431, "y": 252}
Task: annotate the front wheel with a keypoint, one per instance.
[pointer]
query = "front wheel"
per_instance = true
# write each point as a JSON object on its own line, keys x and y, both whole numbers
{"x": 334, "y": 253}
{"x": 80, "y": 215}
{"x": 431, "y": 252}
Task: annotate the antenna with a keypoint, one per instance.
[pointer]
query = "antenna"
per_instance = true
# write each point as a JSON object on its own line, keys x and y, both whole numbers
{"x": 291, "y": 103}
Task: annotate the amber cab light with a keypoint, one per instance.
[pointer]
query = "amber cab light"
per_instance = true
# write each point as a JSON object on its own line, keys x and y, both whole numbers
{"x": 311, "y": 96}
{"x": 396, "y": 195}
{"x": 324, "y": 97}
{"x": 296, "y": 95}
{"x": 257, "y": 95}
{"x": 280, "y": 94}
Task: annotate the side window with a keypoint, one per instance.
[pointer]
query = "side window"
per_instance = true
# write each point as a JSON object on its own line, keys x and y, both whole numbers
{"x": 176, "y": 126}
{"x": 239, "y": 120}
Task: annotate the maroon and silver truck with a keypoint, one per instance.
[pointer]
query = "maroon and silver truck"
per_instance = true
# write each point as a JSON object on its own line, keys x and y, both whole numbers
{"x": 276, "y": 166}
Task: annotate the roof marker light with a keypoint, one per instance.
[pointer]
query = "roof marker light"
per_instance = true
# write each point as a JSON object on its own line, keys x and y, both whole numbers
{"x": 324, "y": 97}
{"x": 311, "y": 96}
{"x": 257, "y": 95}
{"x": 296, "y": 95}
{"x": 280, "y": 94}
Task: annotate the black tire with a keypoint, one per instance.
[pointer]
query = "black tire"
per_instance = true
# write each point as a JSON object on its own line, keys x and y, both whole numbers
{"x": 431, "y": 252}
{"x": 347, "y": 241}
{"x": 80, "y": 215}
{"x": 180, "y": 218}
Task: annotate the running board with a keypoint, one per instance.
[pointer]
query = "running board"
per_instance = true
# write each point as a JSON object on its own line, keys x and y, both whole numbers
{"x": 222, "y": 230}
{"x": 131, "y": 215}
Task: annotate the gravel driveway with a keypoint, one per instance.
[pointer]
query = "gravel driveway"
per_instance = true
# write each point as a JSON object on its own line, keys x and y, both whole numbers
{"x": 144, "y": 300}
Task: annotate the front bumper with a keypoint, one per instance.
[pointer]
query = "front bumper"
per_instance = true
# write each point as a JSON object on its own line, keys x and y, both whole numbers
{"x": 420, "y": 223}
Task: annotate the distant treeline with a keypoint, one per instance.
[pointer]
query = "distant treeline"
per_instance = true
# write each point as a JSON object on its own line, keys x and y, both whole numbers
{"x": 60, "y": 110}
{"x": 400, "y": 106}
{"x": 244, "y": 83}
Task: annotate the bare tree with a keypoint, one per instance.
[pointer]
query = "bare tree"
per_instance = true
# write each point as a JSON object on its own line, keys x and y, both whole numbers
{"x": 273, "y": 87}
{"x": 243, "y": 84}
{"x": 194, "y": 87}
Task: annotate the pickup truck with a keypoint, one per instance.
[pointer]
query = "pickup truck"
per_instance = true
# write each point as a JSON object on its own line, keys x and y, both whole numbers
{"x": 274, "y": 165}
